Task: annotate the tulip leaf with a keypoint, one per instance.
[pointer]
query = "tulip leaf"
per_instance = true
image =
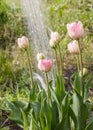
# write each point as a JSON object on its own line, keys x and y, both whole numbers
{"x": 77, "y": 84}
{"x": 60, "y": 88}
{"x": 46, "y": 116}
{"x": 36, "y": 107}
{"x": 86, "y": 88}
{"x": 63, "y": 114}
{"x": 80, "y": 111}
{"x": 73, "y": 117}
{"x": 55, "y": 118}
{"x": 25, "y": 120}
{"x": 21, "y": 104}
{"x": 53, "y": 95}
{"x": 15, "y": 112}
{"x": 89, "y": 126}
{"x": 14, "y": 107}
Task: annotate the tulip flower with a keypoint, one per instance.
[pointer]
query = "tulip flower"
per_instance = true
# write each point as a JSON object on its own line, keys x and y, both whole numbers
{"x": 23, "y": 42}
{"x": 45, "y": 65}
{"x": 40, "y": 56}
{"x": 73, "y": 47}
{"x": 55, "y": 38}
{"x": 52, "y": 44}
{"x": 75, "y": 30}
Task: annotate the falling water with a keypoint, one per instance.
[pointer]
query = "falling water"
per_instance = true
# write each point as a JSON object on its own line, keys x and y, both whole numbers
{"x": 36, "y": 26}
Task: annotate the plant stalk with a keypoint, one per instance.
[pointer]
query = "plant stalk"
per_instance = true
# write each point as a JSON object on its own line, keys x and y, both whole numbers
{"x": 30, "y": 68}
{"x": 47, "y": 83}
{"x": 81, "y": 68}
{"x": 78, "y": 65}
{"x": 60, "y": 58}
{"x": 56, "y": 61}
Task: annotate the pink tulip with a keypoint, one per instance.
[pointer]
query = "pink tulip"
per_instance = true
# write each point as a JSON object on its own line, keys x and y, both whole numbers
{"x": 73, "y": 47}
{"x": 45, "y": 65}
{"x": 75, "y": 30}
{"x": 23, "y": 42}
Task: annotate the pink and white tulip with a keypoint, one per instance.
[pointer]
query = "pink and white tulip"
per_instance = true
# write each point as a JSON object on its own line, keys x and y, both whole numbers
{"x": 45, "y": 65}
{"x": 23, "y": 42}
{"x": 73, "y": 47}
{"x": 75, "y": 30}
{"x": 55, "y": 39}
{"x": 52, "y": 43}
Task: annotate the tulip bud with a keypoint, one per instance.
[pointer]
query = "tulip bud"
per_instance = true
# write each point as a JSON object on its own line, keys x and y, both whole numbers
{"x": 52, "y": 44}
{"x": 23, "y": 42}
{"x": 73, "y": 47}
{"x": 85, "y": 72}
{"x": 40, "y": 56}
{"x": 45, "y": 65}
{"x": 55, "y": 39}
{"x": 75, "y": 30}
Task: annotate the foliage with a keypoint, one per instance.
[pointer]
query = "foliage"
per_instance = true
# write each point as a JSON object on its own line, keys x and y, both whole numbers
{"x": 39, "y": 114}
{"x": 11, "y": 24}
{"x": 6, "y": 68}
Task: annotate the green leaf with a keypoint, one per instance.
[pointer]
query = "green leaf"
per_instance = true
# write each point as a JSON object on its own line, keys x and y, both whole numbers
{"x": 32, "y": 95}
{"x": 36, "y": 107}
{"x": 25, "y": 120}
{"x": 55, "y": 118}
{"x": 89, "y": 126}
{"x": 86, "y": 88}
{"x": 31, "y": 125}
{"x": 77, "y": 84}
{"x": 80, "y": 111}
{"x": 21, "y": 104}
{"x": 63, "y": 114}
{"x": 53, "y": 95}
{"x": 46, "y": 116}
{"x": 15, "y": 112}
{"x": 60, "y": 88}
{"x": 73, "y": 117}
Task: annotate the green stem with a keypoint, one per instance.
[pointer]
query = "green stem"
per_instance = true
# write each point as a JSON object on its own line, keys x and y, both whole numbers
{"x": 56, "y": 60}
{"x": 30, "y": 68}
{"x": 60, "y": 58}
{"x": 81, "y": 68}
{"x": 78, "y": 66}
{"x": 47, "y": 83}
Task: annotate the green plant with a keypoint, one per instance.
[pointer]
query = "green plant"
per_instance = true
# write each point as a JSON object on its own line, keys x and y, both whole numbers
{"x": 6, "y": 67}
{"x": 58, "y": 112}
{"x": 11, "y": 24}
{"x": 64, "y": 110}
{"x": 38, "y": 114}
